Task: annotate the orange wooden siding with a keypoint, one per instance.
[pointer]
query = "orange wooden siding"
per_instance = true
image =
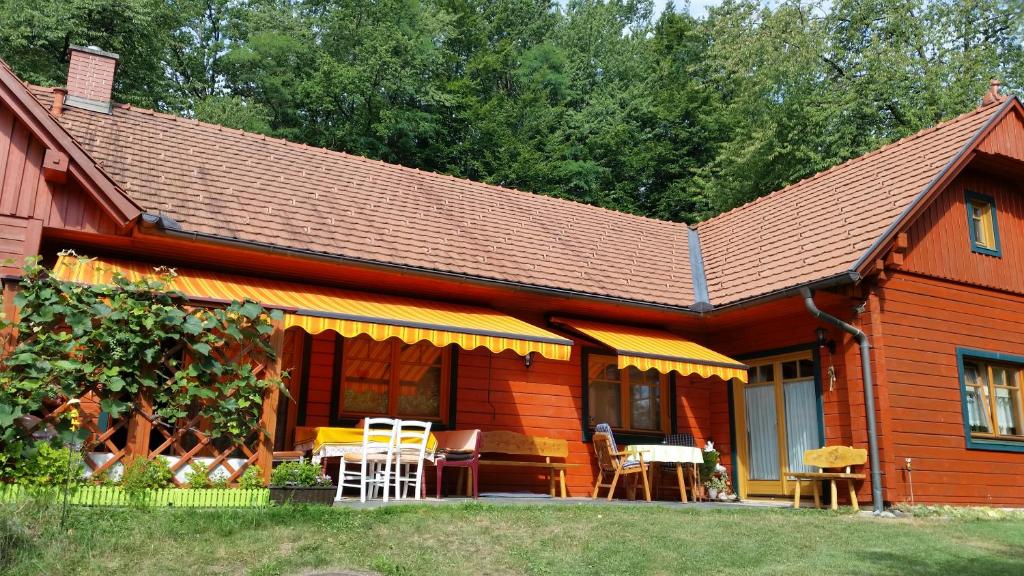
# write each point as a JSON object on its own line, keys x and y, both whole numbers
{"x": 925, "y": 320}
{"x": 1006, "y": 138}
{"x": 940, "y": 240}
{"x": 28, "y": 202}
{"x": 783, "y": 327}
{"x": 321, "y": 376}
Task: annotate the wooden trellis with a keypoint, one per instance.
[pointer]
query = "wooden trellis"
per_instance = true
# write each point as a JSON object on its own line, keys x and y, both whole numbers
{"x": 185, "y": 440}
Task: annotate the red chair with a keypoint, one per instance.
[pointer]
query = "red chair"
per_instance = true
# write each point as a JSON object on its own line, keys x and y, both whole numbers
{"x": 459, "y": 449}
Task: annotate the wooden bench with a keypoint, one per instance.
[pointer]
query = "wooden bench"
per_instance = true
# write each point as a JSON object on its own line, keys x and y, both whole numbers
{"x": 513, "y": 444}
{"x": 831, "y": 458}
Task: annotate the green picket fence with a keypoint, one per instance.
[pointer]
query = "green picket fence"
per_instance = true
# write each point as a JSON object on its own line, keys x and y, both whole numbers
{"x": 166, "y": 497}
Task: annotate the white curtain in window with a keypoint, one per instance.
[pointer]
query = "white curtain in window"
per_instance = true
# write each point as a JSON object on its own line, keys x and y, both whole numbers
{"x": 802, "y": 430}
{"x": 977, "y": 399}
{"x": 762, "y": 432}
{"x": 1006, "y": 412}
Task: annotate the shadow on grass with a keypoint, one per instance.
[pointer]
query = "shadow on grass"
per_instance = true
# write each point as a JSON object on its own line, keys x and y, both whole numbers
{"x": 1008, "y": 563}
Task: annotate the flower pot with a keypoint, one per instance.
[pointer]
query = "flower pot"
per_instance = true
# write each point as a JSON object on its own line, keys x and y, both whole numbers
{"x": 302, "y": 494}
{"x": 712, "y": 493}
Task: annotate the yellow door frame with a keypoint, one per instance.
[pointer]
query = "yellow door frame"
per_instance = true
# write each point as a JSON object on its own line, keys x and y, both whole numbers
{"x": 783, "y": 486}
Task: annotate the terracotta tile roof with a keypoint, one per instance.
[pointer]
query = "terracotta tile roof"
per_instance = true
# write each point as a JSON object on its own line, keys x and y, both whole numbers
{"x": 232, "y": 184}
{"x": 819, "y": 227}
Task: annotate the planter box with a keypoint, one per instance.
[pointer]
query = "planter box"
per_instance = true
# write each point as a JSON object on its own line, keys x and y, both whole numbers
{"x": 303, "y": 494}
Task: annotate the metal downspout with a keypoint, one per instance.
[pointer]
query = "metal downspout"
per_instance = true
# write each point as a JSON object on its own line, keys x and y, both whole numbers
{"x": 869, "y": 392}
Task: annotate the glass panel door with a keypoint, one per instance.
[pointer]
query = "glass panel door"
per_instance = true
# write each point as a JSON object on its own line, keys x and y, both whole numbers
{"x": 762, "y": 432}
{"x": 802, "y": 431}
{"x": 778, "y": 416}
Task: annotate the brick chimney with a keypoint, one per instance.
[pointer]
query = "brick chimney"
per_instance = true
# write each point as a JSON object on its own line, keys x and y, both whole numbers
{"x": 90, "y": 78}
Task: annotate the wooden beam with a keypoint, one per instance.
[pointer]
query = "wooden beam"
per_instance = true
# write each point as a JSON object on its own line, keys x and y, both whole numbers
{"x": 894, "y": 259}
{"x": 902, "y": 242}
{"x": 268, "y": 420}
{"x": 55, "y": 166}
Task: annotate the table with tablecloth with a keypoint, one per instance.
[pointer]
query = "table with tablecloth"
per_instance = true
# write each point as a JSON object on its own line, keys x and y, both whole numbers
{"x": 669, "y": 454}
{"x": 332, "y": 442}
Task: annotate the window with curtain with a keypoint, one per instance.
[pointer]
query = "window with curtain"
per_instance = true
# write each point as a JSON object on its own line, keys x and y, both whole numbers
{"x": 626, "y": 399}
{"x": 392, "y": 378}
{"x": 992, "y": 394}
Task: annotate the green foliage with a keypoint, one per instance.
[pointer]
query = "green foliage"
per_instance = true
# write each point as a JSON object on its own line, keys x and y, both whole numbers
{"x": 198, "y": 476}
{"x": 142, "y": 474}
{"x": 707, "y": 469}
{"x": 599, "y": 101}
{"x": 127, "y": 339}
{"x": 298, "y": 474}
{"x": 46, "y": 465}
{"x": 252, "y": 478}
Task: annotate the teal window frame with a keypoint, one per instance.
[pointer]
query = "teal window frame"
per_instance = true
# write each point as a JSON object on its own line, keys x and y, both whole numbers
{"x": 991, "y": 444}
{"x": 970, "y": 198}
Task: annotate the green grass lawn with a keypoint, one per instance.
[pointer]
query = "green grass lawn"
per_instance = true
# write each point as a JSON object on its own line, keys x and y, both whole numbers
{"x": 494, "y": 539}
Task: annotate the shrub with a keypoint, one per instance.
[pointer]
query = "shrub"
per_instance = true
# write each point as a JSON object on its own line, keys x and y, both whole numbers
{"x": 144, "y": 474}
{"x": 252, "y": 478}
{"x": 48, "y": 466}
{"x": 198, "y": 475}
{"x": 298, "y": 474}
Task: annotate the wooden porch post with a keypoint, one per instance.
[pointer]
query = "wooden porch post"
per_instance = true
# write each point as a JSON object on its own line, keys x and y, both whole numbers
{"x": 139, "y": 428}
{"x": 268, "y": 420}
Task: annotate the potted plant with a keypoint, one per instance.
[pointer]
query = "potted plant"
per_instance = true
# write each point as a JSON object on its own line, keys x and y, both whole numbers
{"x": 714, "y": 476}
{"x": 300, "y": 483}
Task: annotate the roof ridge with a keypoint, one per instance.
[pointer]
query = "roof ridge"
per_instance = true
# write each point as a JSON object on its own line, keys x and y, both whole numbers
{"x": 390, "y": 165}
{"x": 871, "y": 154}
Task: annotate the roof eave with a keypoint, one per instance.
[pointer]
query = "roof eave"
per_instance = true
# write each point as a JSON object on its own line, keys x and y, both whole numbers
{"x": 163, "y": 225}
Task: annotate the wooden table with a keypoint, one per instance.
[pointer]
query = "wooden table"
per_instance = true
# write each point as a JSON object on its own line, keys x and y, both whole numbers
{"x": 668, "y": 454}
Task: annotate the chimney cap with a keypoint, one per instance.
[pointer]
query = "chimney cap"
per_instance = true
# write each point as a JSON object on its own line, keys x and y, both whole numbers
{"x": 94, "y": 50}
{"x": 993, "y": 92}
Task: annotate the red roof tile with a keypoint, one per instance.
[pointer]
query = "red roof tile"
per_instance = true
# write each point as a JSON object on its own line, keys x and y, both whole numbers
{"x": 819, "y": 227}
{"x": 232, "y": 184}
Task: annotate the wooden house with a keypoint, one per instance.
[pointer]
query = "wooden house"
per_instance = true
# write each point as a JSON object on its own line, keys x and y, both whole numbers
{"x": 417, "y": 294}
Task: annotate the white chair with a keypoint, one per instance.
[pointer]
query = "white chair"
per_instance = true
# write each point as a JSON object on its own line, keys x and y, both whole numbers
{"x": 373, "y": 462}
{"x": 411, "y": 437}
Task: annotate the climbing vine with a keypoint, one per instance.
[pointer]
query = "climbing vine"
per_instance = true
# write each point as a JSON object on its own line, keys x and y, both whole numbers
{"x": 131, "y": 339}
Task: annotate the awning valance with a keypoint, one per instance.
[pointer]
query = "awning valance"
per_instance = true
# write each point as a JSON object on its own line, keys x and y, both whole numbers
{"x": 646, "y": 348}
{"x": 347, "y": 312}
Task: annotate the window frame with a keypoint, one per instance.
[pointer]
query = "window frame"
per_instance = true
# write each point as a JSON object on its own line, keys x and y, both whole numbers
{"x": 970, "y": 199}
{"x": 991, "y": 440}
{"x": 445, "y": 416}
{"x": 627, "y": 435}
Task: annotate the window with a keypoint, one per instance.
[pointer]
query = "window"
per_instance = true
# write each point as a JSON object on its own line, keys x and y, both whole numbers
{"x": 394, "y": 378}
{"x": 626, "y": 399}
{"x": 992, "y": 399}
{"x": 982, "y": 224}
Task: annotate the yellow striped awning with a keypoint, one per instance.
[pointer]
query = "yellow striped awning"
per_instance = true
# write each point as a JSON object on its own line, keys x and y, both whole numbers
{"x": 646, "y": 348}
{"x": 347, "y": 312}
